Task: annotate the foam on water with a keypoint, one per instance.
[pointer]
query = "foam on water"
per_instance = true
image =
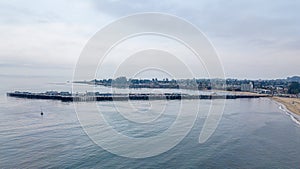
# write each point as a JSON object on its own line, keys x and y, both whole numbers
{"x": 289, "y": 113}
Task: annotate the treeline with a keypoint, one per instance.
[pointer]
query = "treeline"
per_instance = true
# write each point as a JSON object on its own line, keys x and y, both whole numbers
{"x": 294, "y": 88}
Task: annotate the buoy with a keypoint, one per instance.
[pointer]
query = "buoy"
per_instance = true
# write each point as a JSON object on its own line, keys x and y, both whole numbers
{"x": 42, "y": 111}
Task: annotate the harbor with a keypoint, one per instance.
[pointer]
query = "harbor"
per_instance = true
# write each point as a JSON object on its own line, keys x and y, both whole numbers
{"x": 96, "y": 96}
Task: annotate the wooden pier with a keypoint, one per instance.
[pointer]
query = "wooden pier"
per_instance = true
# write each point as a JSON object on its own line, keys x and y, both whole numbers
{"x": 123, "y": 97}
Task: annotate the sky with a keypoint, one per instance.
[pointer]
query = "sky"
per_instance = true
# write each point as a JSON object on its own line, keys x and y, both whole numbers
{"x": 254, "y": 39}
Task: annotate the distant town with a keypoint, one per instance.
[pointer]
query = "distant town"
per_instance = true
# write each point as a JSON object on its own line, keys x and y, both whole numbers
{"x": 289, "y": 87}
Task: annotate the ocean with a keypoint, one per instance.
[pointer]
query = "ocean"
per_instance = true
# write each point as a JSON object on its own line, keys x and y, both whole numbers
{"x": 252, "y": 133}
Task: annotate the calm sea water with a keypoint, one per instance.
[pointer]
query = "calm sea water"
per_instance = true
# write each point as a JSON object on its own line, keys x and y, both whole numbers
{"x": 253, "y": 133}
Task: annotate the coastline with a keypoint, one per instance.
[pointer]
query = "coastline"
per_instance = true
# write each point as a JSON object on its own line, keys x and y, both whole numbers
{"x": 291, "y": 104}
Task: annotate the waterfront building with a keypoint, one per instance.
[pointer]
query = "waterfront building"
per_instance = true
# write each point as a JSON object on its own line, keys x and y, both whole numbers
{"x": 247, "y": 87}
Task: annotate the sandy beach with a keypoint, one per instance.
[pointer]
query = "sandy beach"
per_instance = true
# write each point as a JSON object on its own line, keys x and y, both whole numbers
{"x": 292, "y": 104}
{"x": 238, "y": 93}
{"x": 247, "y": 93}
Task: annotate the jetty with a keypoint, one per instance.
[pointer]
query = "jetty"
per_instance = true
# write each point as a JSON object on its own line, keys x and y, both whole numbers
{"x": 96, "y": 96}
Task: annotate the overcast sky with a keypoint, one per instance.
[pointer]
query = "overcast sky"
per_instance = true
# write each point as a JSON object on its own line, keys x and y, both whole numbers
{"x": 254, "y": 39}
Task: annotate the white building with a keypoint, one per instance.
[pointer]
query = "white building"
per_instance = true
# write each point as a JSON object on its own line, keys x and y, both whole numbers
{"x": 247, "y": 87}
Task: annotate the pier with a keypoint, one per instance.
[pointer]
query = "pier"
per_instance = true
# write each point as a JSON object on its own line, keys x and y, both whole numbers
{"x": 68, "y": 97}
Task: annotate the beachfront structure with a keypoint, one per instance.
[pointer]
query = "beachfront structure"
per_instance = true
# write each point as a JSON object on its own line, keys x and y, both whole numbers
{"x": 247, "y": 87}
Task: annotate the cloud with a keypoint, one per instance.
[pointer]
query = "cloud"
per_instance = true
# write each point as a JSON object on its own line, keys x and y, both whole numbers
{"x": 54, "y": 43}
{"x": 49, "y": 32}
{"x": 249, "y": 35}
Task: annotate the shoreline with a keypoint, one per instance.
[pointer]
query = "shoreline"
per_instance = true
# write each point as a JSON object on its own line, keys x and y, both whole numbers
{"x": 291, "y": 104}
{"x": 238, "y": 92}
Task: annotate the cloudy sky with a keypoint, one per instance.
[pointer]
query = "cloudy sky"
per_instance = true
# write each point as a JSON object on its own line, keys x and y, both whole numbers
{"x": 254, "y": 39}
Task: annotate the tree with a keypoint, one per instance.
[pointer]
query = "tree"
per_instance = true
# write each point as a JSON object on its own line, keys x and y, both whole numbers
{"x": 121, "y": 80}
{"x": 294, "y": 88}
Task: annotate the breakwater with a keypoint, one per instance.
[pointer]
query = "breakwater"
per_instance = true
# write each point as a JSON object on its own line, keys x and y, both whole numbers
{"x": 68, "y": 97}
